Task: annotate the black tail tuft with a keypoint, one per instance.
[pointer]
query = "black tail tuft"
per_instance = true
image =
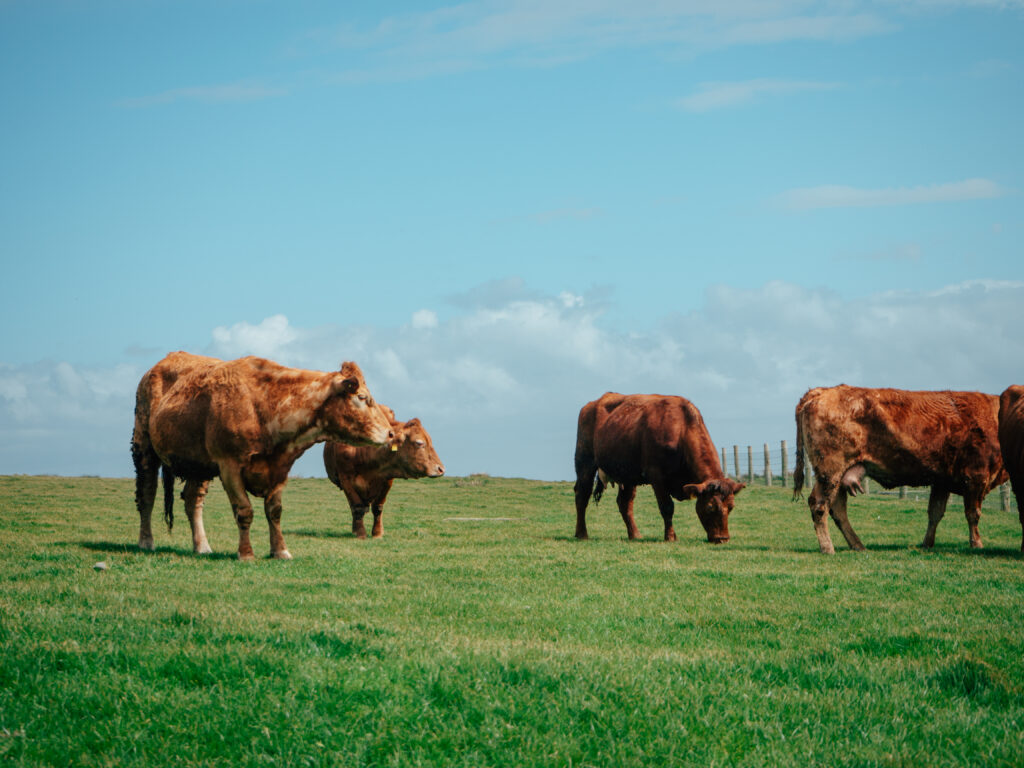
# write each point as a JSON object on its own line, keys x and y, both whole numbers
{"x": 168, "y": 478}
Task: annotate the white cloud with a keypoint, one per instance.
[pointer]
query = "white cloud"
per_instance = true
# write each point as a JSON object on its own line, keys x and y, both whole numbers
{"x": 499, "y": 384}
{"x": 424, "y": 318}
{"x": 836, "y": 196}
{"x": 716, "y": 95}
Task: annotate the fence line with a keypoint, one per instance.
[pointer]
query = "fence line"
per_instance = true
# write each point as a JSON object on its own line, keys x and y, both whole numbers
{"x": 779, "y": 457}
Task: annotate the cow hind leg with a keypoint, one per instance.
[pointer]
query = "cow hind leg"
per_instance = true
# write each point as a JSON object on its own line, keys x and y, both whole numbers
{"x": 625, "y": 501}
{"x": 194, "y": 496}
{"x": 936, "y": 509}
{"x": 818, "y": 503}
{"x": 358, "y": 529}
{"x": 147, "y": 473}
{"x": 838, "y": 511}
{"x": 667, "y": 508}
{"x": 584, "y": 487}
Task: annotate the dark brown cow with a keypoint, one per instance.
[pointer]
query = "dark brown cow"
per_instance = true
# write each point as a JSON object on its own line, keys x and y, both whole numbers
{"x": 1011, "y": 442}
{"x": 947, "y": 440}
{"x": 366, "y": 473}
{"x": 656, "y": 440}
{"x": 246, "y": 421}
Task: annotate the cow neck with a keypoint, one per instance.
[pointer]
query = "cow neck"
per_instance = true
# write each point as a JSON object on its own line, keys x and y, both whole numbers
{"x": 292, "y": 417}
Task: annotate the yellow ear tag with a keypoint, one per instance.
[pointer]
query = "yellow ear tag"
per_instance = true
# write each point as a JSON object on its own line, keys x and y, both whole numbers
{"x": 394, "y": 448}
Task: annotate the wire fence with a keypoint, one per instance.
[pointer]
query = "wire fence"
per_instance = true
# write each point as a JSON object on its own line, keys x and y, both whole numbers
{"x": 773, "y": 466}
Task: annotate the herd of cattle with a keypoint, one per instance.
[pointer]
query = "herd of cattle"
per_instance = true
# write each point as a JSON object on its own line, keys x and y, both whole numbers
{"x": 248, "y": 420}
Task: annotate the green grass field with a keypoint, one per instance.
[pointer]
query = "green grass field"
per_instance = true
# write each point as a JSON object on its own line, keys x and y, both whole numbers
{"x": 502, "y": 641}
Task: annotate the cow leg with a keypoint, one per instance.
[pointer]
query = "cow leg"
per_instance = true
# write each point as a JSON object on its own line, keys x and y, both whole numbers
{"x": 838, "y": 512}
{"x": 972, "y": 510}
{"x": 194, "y": 495}
{"x": 936, "y": 509}
{"x": 625, "y": 501}
{"x": 1020, "y": 514}
{"x": 667, "y": 508}
{"x": 231, "y": 479}
{"x": 818, "y": 503}
{"x": 378, "y": 521}
{"x": 147, "y": 472}
{"x": 272, "y": 507}
{"x": 358, "y": 529}
{"x": 584, "y": 487}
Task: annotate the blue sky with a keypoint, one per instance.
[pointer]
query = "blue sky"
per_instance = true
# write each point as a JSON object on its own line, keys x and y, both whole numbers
{"x": 503, "y": 209}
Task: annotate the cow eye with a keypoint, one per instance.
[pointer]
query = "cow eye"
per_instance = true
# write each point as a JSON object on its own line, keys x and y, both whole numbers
{"x": 361, "y": 396}
{"x": 419, "y": 442}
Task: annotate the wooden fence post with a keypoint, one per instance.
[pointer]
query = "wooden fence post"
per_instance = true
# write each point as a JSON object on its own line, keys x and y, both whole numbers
{"x": 903, "y": 491}
{"x": 725, "y": 467}
{"x": 736, "y": 460}
{"x": 750, "y": 465}
{"x": 867, "y": 484}
{"x": 767, "y": 467}
{"x": 1004, "y": 496}
{"x": 785, "y": 463}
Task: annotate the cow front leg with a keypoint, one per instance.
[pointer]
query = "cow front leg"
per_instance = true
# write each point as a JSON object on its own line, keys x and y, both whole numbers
{"x": 667, "y": 508}
{"x": 625, "y": 501}
{"x": 1020, "y": 514}
{"x": 231, "y": 479}
{"x": 818, "y": 503}
{"x": 972, "y": 510}
{"x": 358, "y": 512}
{"x": 838, "y": 512}
{"x": 937, "y": 499}
{"x": 378, "y": 521}
{"x": 582, "y": 490}
{"x": 272, "y": 507}
{"x": 194, "y": 496}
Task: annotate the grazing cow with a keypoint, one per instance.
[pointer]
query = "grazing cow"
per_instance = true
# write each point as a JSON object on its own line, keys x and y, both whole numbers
{"x": 246, "y": 421}
{"x": 1011, "y": 442}
{"x": 366, "y": 473}
{"x": 656, "y": 440}
{"x": 947, "y": 440}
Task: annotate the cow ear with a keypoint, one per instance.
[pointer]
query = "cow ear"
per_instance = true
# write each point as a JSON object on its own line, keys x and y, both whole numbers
{"x": 412, "y": 423}
{"x": 691, "y": 491}
{"x": 737, "y": 487}
{"x": 344, "y": 385}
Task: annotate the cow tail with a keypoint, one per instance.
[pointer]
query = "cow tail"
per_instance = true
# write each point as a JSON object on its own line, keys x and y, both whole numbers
{"x": 798, "y": 470}
{"x": 599, "y": 486}
{"x": 168, "y": 478}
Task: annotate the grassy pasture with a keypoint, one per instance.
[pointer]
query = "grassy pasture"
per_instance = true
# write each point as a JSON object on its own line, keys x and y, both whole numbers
{"x": 496, "y": 642}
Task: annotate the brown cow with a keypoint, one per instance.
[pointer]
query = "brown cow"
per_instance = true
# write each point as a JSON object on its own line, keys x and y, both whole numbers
{"x": 246, "y": 421}
{"x": 947, "y": 440}
{"x": 366, "y": 473}
{"x": 1011, "y": 442}
{"x": 656, "y": 440}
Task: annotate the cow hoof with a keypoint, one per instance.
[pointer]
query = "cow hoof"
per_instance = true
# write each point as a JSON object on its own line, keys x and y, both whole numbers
{"x": 284, "y": 554}
{"x": 203, "y": 549}
{"x": 378, "y": 535}
{"x": 246, "y": 556}
{"x": 147, "y": 544}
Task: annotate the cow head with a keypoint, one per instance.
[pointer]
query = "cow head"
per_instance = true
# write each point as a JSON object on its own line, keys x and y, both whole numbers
{"x": 414, "y": 451}
{"x": 349, "y": 413}
{"x": 715, "y": 500}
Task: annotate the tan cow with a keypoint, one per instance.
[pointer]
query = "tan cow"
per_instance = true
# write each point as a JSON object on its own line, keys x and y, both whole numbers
{"x": 947, "y": 440}
{"x": 365, "y": 474}
{"x": 1011, "y": 443}
{"x": 245, "y": 421}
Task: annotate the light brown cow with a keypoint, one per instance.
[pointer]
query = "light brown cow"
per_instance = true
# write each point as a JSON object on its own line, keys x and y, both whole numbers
{"x": 1011, "y": 443}
{"x": 366, "y": 473}
{"x": 246, "y": 421}
{"x": 658, "y": 440}
{"x": 947, "y": 440}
